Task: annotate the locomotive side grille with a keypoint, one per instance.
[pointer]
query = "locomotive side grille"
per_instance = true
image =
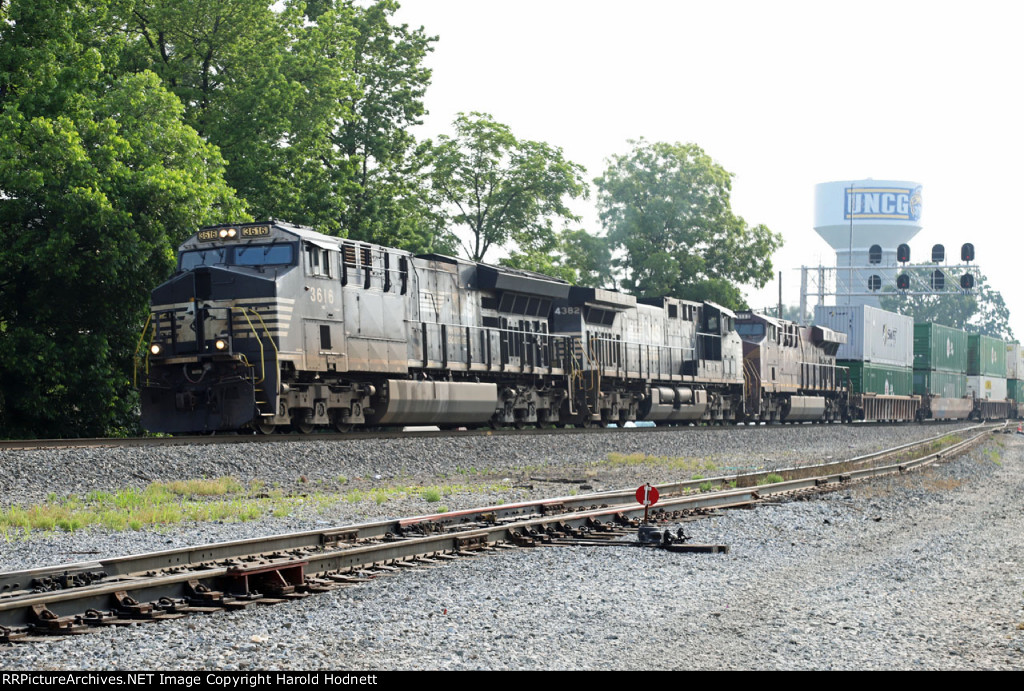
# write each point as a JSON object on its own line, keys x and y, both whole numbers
{"x": 348, "y": 253}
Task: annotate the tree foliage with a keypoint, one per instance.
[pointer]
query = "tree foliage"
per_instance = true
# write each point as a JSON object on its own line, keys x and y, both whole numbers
{"x": 99, "y": 179}
{"x": 982, "y": 311}
{"x": 386, "y": 200}
{"x": 311, "y": 104}
{"x": 262, "y": 84}
{"x": 575, "y": 256}
{"x": 666, "y": 209}
{"x": 502, "y": 191}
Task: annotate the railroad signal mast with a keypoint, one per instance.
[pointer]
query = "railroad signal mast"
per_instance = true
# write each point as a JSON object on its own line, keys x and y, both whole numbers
{"x": 869, "y": 223}
{"x": 846, "y": 283}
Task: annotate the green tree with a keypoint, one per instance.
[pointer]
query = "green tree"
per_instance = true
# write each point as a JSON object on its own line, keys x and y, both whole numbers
{"x": 981, "y": 311}
{"x": 385, "y": 200}
{"x": 667, "y": 212}
{"x": 575, "y": 256}
{"x": 505, "y": 192}
{"x": 99, "y": 179}
{"x": 311, "y": 103}
{"x": 263, "y": 84}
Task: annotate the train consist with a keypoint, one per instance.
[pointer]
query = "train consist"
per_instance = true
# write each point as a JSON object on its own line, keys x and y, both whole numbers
{"x": 271, "y": 326}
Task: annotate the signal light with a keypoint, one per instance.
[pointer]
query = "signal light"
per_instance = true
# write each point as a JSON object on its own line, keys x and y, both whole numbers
{"x": 938, "y": 254}
{"x": 967, "y": 252}
{"x": 967, "y": 281}
{"x": 903, "y": 253}
{"x": 874, "y": 283}
{"x": 938, "y": 280}
{"x": 903, "y": 282}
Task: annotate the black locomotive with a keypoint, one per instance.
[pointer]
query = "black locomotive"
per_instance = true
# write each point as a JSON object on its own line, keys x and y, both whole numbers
{"x": 270, "y": 325}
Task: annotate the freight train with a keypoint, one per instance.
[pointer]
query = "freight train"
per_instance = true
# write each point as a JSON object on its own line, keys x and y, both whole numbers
{"x": 271, "y": 326}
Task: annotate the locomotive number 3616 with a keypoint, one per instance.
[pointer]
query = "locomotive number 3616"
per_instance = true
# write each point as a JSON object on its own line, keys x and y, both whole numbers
{"x": 324, "y": 297}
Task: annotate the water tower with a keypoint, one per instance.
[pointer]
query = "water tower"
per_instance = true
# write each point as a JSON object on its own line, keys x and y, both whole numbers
{"x": 865, "y": 221}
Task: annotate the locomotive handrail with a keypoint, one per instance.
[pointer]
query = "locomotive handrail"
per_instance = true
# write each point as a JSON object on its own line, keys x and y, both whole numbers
{"x": 544, "y": 340}
{"x": 837, "y": 385}
{"x": 277, "y": 352}
{"x": 259, "y": 341}
{"x": 683, "y": 351}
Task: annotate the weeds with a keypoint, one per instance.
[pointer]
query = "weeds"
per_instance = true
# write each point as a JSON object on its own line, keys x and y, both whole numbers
{"x": 222, "y": 499}
{"x": 159, "y": 503}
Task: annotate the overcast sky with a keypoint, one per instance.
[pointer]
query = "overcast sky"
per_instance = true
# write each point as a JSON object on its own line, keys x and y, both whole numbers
{"x": 782, "y": 94}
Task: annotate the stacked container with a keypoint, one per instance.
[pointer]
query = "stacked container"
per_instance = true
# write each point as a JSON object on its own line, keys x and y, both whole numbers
{"x": 940, "y": 360}
{"x": 879, "y": 348}
{"x": 986, "y": 367}
{"x": 1015, "y": 372}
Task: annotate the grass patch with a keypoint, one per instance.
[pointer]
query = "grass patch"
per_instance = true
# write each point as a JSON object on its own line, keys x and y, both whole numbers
{"x": 159, "y": 503}
{"x": 772, "y": 478}
{"x": 222, "y": 499}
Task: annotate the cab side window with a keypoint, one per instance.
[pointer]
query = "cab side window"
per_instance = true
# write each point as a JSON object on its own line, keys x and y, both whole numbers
{"x": 318, "y": 261}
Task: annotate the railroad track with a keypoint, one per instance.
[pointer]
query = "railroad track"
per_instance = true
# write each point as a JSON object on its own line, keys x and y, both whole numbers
{"x": 76, "y": 598}
{"x": 395, "y": 433}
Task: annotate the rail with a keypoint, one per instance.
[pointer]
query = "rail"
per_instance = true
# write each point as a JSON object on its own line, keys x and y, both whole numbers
{"x": 70, "y": 598}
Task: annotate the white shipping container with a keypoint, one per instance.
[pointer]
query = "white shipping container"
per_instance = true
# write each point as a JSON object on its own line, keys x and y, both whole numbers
{"x": 872, "y": 334}
{"x": 992, "y": 388}
{"x": 1014, "y": 361}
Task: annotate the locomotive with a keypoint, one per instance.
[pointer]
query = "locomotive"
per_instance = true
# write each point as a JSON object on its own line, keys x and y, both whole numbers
{"x": 271, "y": 326}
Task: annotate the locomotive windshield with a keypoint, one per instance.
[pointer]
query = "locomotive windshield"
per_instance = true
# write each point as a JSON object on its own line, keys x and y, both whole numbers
{"x": 752, "y": 331}
{"x": 280, "y": 254}
{"x": 207, "y": 257}
{"x": 264, "y": 255}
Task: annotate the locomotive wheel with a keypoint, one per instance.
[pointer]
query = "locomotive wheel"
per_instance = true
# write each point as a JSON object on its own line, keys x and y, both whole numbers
{"x": 343, "y": 427}
{"x": 301, "y": 426}
{"x": 265, "y": 427}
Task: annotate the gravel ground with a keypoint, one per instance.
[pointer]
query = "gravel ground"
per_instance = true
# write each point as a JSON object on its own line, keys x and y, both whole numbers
{"x": 918, "y": 572}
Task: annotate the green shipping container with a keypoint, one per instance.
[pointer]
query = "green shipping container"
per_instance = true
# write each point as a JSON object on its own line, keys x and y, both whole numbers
{"x": 938, "y": 347}
{"x": 866, "y": 377}
{"x": 1015, "y": 389}
{"x": 936, "y": 383}
{"x": 986, "y": 356}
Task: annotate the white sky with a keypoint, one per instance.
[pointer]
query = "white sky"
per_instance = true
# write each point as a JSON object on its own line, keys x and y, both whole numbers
{"x": 783, "y": 94}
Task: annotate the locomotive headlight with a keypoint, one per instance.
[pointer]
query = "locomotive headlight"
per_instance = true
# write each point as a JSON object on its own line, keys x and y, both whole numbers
{"x": 156, "y": 349}
{"x": 221, "y": 344}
